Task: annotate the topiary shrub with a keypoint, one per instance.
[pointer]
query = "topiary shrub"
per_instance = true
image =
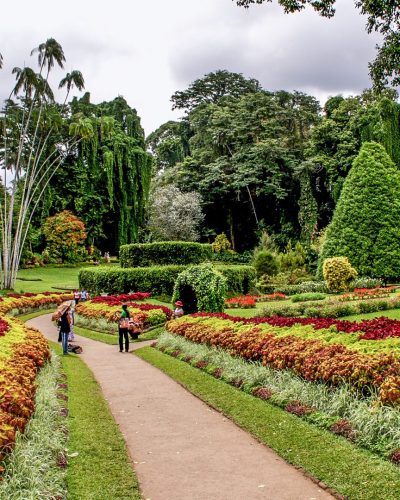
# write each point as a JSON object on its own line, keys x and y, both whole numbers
{"x": 158, "y": 280}
{"x": 338, "y": 274}
{"x": 265, "y": 263}
{"x": 365, "y": 225}
{"x": 164, "y": 253}
{"x": 200, "y": 288}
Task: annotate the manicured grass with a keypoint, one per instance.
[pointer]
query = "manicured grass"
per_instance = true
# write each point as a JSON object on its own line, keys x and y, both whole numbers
{"x": 62, "y": 277}
{"x": 392, "y": 313}
{"x": 34, "y": 314}
{"x": 107, "y": 338}
{"x": 101, "y": 470}
{"x": 353, "y": 472}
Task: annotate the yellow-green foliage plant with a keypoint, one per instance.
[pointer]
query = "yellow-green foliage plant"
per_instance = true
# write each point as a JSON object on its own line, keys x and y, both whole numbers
{"x": 338, "y": 273}
{"x": 221, "y": 243}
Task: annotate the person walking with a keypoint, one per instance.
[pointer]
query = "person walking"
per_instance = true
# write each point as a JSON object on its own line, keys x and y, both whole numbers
{"x": 77, "y": 296}
{"x": 123, "y": 327}
{"x": 65, "y": 326}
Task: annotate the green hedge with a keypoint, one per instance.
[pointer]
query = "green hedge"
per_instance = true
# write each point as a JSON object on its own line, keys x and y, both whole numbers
{"x": 158, "y": 280}
{"x": 164, "y": 253}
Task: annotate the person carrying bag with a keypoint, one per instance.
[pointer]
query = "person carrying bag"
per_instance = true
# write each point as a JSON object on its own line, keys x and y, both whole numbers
{"x": 123, "y": 328}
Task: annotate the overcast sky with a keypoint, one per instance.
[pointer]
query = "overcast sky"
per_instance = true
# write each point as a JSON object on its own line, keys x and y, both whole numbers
{"x": 144, "y": 50}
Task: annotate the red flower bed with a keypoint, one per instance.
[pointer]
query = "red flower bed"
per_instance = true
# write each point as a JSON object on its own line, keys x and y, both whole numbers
{"x": 244, "y": 302}
{"x": 366, "y": 293}
{"x": 115, "y": 300}
{"x": 370, "y": 329}
{"x": 314, "y": 360}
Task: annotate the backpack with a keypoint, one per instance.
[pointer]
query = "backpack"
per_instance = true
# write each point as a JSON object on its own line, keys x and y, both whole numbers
{"x": 77, "y": 349}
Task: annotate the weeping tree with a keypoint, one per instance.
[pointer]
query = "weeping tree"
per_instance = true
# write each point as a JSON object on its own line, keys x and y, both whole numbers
{"x": 33, "y": 145}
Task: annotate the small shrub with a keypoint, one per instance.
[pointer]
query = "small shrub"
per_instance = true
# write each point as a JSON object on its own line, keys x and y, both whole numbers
{"x": 262, "y": 392}
{"x": 221, "y": 243}
{"x": 303, "y": 297}
{"x": 338, "y": 273}
{"x": 298, "y": 408}
{"x": 304, "y": 287}
{"x": 343, "y": 428}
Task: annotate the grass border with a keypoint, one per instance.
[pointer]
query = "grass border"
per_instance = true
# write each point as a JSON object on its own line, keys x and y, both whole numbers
{"x": 351, "y": 471}
{"x": 102, "y": 468}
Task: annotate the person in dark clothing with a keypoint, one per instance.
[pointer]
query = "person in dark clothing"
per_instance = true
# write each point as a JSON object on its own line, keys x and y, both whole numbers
{"x": 65, "y": 327}
{"x": 123, "y": 327}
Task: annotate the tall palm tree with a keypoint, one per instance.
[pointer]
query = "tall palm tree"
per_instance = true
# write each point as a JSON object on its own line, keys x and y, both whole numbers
{"x": 70, "y": 80}
{"x": 26, "y": 80}
{"x": 49, "y": 52}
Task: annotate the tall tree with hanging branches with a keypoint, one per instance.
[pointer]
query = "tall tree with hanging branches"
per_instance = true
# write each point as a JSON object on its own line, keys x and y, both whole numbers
{"x": 32, "y": 148}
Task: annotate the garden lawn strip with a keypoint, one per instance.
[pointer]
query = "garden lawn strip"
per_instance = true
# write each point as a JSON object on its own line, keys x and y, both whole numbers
{"x": 354, "y": 473}
{"x": 35, "y": 314}
{"x": 107, "y": 338}
{"x": 181, "y": 448}
{"x": 101, "y": 470}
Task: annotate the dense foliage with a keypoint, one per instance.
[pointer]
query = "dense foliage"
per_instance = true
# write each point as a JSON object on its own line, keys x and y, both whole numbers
{"x": 164, "y": 253}
{"x": 269, "y": 160}
{"x": 200, "y": 288}
{"x": 105, "y": 181}
{"x": 365, "y": 227}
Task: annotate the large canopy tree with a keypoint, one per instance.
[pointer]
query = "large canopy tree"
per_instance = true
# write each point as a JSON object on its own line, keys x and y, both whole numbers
{"x": 383, "y": 16}
{"x": 243, "y": 152}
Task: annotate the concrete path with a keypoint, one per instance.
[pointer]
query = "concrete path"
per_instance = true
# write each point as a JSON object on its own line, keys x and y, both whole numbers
{"x": 181, "y": 449}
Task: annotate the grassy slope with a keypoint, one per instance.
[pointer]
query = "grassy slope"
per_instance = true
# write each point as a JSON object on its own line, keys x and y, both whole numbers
{"x": 102, "y": 468}
{"x": 353, "y": 472}
{"x": 393, "y": 314}
{"x": 63, "y": 277}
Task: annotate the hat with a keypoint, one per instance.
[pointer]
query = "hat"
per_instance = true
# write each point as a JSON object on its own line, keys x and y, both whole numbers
{"x": 179, "y": 303}
{"x": 63, "y": 307}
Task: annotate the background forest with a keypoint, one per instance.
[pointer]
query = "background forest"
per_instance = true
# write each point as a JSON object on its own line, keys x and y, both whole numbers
{"x": 241, "y": 161}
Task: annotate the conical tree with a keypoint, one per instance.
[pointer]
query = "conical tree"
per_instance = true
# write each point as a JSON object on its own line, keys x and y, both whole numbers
{"x": 366, "y": 224}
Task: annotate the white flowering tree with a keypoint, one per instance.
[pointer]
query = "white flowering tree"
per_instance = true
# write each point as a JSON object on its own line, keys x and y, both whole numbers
{"x": 174, "y": 215}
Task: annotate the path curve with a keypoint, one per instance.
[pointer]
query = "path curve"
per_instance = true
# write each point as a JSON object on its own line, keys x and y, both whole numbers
{"x": 181, "y": 448}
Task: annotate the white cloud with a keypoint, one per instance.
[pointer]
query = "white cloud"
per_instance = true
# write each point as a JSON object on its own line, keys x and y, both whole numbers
{"x": 145, "y": 50}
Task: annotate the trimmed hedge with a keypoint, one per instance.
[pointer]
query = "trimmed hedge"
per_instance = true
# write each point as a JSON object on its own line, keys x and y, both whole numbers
{"x": 164, "y": 253}
{"x": 158, "y": 280}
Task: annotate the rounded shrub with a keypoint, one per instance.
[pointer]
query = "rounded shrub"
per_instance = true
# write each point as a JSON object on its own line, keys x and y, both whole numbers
{"x": 200, "y": 288}
{"x": 338, "y": 273}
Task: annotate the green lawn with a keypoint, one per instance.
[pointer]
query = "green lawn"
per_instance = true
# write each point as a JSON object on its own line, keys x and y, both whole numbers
{"x": 392, "y": 313}
{"x": 50, "y": 277}
{"x": 353, "y": 472}
{"x": 99, "y": 467}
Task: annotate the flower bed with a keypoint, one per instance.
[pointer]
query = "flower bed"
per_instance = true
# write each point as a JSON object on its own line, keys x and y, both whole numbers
{"x": 148, "y": 314}
{"x": 366, "y": 421}
{"x": 315, "y": 355}
{"x": 249, "y": 301}
{"x": 22, "y": 352}
{"x": 113, "y": 300}
{"x": 366, "y": 293}
{"x": 23, "y": 302}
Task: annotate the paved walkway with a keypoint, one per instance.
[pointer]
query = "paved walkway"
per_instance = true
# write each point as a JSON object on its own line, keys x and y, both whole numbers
{"x": 182, "y": 449}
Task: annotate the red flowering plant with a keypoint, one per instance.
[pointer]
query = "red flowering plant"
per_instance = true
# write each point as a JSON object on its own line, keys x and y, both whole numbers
{"x": 366, "y": 293}
{"x": 113, "y": 300}
{"x": 294, "y": 348}
{"x": 242, "y": 302}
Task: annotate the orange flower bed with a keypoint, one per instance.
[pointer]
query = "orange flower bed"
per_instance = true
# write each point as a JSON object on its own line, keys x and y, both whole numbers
{"x": 23, "y": 351}
{"x": 32, "y": 300}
